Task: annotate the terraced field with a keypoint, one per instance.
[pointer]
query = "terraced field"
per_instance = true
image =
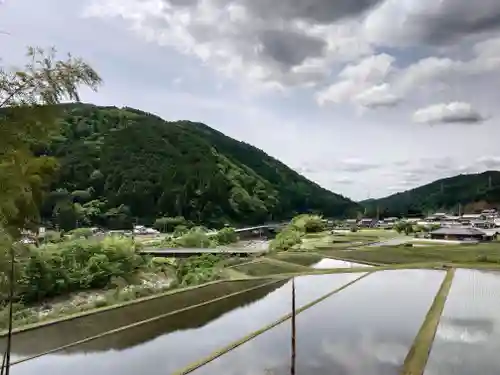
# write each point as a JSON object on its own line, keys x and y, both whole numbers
{"x": 356, "y": 310}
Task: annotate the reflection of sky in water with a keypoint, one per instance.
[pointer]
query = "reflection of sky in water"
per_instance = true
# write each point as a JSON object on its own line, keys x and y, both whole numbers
{"x": 169, "y": 352}
{"x": 335, "y": 263}
{"x": 468, "y": 336}
{"x": 367, "y": 328}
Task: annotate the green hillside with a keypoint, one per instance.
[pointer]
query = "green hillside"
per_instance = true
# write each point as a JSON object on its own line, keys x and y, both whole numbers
{"x": 469, "y": 192}
{"x": 119, "y": 166}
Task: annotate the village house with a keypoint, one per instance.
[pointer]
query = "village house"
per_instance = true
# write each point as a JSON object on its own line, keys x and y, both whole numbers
{"x": 367, "y": 223}
{"x": 463, "y": 234}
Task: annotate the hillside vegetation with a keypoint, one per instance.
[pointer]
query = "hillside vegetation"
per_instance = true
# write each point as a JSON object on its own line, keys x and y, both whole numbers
{"x": 124, "y": 166}
{"x": 474, "y": 192}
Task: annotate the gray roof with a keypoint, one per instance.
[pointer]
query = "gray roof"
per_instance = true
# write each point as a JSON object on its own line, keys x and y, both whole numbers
{"x": 459, "y": 231}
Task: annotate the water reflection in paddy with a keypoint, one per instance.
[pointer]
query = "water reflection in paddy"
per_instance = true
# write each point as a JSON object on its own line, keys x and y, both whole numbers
{"x": 326, "y": 263}
{"x": 468, "y": 336}
{"x": 367, "y": 328}
{"x": 155, "y": 348}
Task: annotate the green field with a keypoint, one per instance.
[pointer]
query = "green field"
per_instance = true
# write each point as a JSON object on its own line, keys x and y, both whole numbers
{"x": 461, "y": 254}
{"x": 303, "y": 259}
{"x": 267, "y": 267}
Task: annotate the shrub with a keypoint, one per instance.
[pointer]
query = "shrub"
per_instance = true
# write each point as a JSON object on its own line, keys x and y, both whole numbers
{"x": 308, "y": 223}
{"x": 196, "y": 238}
{"x": 51, "y": 236}
{"x": 81, "y": 233}
{"x": 226, "y": 236}
{"x": 198, "y": 269}
{"x": 168, "y": 224}
{"x": 180, "y": 230}
{"x": 53, "y": 270}
{"x": 286, "y": 239}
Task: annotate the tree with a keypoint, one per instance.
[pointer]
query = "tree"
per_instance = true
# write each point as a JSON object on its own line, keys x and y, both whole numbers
{"x": 28, "y": 117}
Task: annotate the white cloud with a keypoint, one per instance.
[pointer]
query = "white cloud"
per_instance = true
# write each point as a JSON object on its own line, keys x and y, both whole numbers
{"x": 454, "y": 112}
{"x": 413, "y": 22}
{"x": 356, "y": 79}
{"x": 377, "y": 96}
{"x": 205, "y": 59}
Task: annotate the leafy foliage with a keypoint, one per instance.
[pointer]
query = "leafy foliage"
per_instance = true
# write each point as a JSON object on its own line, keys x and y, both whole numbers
{"x": 286, "y": 239}
{"x": 198, "y": 269}
{"x": 195, "y": 238}
{"x": 122, "y": 166}
{"x": 293, "y": 233}
{"x": 69, "y": 266}
{"x": 474, "y": 192}
{"x": 226, "y": 236}
{"x": 308, "y": 223}
{"x": 169, "y": 224}
{"x": 28, "y": 117}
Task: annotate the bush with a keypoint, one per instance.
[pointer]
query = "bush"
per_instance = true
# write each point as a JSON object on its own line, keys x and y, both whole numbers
{"x": 198, "y": 269}
{"x": 286, "y": 239}
{"x": 74, "y": 265}
{"x": 308, "y": 223}
{"x": 51, "y": 236}
{"x": 180, "y": 230}
{"x": 353, "y": 229}
{"x": 226, "y": 236}
{"x": 81, "y": 233}
{"x": 169, "y": 224}
{"x": 196, "y": 238}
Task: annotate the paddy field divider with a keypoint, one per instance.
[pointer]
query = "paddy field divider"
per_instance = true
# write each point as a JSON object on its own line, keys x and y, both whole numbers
{"x": 235, "y": 344}
{"x": 145, "y": 321}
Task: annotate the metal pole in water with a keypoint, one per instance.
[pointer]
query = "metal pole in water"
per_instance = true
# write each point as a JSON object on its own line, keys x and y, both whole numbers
{"x": 292, "y": 368}
{"x": 6, "y": 363}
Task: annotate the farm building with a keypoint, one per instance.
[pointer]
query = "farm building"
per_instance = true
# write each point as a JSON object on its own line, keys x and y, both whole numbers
{"x": 461, "y": 234}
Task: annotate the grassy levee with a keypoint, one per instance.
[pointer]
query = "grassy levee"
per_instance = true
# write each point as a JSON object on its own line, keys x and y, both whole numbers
{"x": 460, "y": 254}
{"x": 300, "y": 258}
{"x": 418, "y": 354}
{"x": 129, "y": 311}
{"x": 39, "y": 343}
{"x": 264, "y": 267}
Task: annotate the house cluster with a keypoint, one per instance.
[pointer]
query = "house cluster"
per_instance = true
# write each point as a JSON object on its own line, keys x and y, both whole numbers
{"x": 484, "y": 226}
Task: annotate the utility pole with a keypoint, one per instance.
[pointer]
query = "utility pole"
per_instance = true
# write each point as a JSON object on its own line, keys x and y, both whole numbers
{"x": 489, "y": 182}
{"x": 6, "y": 359}
{"x": 292, "y": 365}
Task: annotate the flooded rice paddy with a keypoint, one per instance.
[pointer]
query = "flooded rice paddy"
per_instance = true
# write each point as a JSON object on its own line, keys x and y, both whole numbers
{"x": 326, "y": 263}
{"x": 367, "y": 327}
{"x": 165, "y": 345}
{"x": 468, "y": 337}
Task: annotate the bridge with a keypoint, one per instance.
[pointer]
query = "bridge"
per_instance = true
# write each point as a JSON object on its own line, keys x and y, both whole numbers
{"x": 247, "y": 233}
{"x": 259, "y": 231}
{"x": 183, "y": 252}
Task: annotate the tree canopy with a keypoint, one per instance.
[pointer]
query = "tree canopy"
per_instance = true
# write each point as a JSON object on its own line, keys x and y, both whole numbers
{"x": 125, "y": 166}
{"x": 465, "y": 193}
{"x": 28, "y": 117}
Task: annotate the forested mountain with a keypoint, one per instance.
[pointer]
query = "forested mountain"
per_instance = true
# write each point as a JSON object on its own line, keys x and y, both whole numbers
{"x": 119, "y": 166}
{"x": 467, "y": 192}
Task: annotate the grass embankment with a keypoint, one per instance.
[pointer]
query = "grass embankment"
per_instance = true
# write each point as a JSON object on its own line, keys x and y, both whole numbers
{"x": 302, "y": 259}
{"x": 481, "y": 254}
{"x": 416, "y": 358}
{"x": 265, "y": 267}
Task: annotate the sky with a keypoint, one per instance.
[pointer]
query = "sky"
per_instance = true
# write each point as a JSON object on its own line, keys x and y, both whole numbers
{"x": 364, "y": 97}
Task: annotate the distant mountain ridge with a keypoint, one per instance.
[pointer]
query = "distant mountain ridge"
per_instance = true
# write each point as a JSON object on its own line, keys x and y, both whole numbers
{"x": 119, "y": 165}
{"x": 465, "y": 192}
